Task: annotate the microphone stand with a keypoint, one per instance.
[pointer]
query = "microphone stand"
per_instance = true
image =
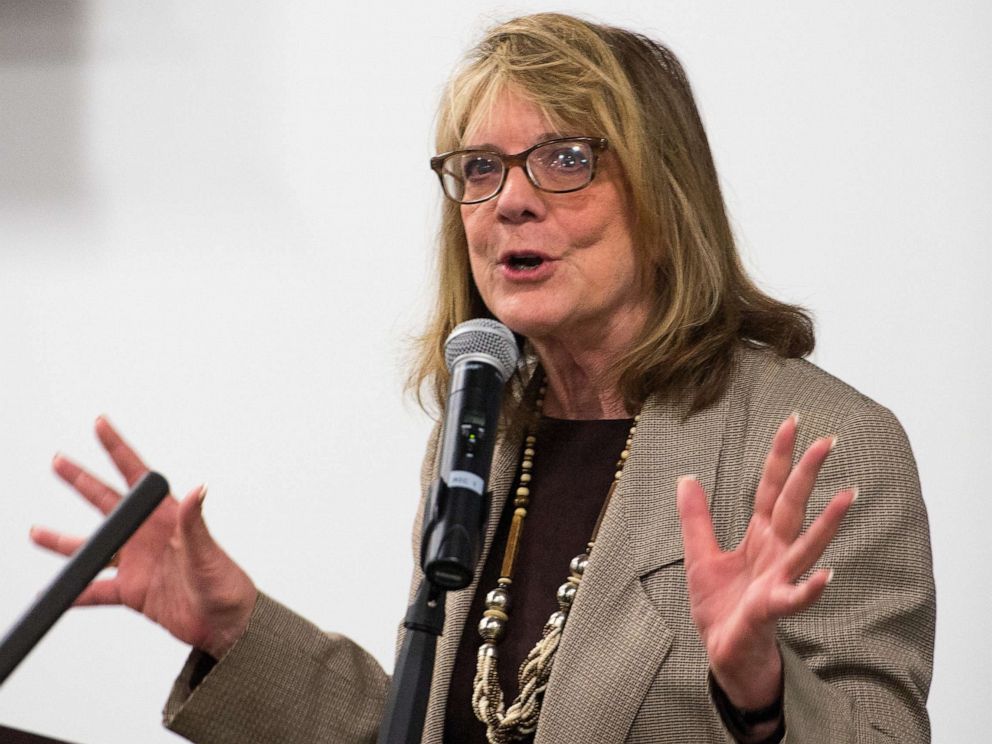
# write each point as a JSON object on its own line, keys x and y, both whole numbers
{"x": 406, "y": 707}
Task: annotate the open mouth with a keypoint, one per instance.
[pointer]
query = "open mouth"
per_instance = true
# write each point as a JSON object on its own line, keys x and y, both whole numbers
{"x": 524, "y": 262}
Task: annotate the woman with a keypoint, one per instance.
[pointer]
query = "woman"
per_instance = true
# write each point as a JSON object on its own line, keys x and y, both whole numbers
{"x": 584, "y": 212}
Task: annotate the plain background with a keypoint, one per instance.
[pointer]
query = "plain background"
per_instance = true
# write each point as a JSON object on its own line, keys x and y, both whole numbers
{"x": 215, "y": 226}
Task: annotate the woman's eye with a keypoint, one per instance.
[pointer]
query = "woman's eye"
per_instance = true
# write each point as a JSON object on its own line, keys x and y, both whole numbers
{"x": 566, "y": 158}
{"x": 478, "y": 167}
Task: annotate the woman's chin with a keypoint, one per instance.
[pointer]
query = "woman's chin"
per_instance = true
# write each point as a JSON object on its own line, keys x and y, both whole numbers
{"x": 533, "y": 325}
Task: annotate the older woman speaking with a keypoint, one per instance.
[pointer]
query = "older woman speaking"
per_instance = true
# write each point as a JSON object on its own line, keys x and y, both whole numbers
{"x": 649, "y": 566}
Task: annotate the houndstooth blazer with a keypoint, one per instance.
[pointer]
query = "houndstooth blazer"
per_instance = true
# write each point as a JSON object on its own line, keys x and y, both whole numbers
{"x": 631, "y": 667}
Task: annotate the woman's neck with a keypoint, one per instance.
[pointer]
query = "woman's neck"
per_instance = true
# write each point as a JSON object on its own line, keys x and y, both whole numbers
{"x": 580, "y": 385}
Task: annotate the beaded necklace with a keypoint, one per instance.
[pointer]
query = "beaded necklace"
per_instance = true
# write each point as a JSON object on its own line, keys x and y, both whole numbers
{"x": 520, "y": 719}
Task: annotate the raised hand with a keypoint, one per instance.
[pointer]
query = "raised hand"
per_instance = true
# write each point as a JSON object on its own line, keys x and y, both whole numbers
{"x": 171, "y": 570}
{"x": 736, "y": 597}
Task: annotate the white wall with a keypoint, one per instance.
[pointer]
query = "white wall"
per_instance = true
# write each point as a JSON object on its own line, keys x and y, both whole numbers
{"x": 215, "y": 221}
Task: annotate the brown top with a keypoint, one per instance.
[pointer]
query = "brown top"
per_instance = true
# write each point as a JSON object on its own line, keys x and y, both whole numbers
{"x": 574, "y": 463}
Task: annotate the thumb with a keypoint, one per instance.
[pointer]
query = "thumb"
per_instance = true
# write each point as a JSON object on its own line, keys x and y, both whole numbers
{"x": 192, "y": 529}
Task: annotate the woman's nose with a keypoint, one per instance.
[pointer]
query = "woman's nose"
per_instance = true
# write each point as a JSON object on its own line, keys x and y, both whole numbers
{"x": 519, "y": 199}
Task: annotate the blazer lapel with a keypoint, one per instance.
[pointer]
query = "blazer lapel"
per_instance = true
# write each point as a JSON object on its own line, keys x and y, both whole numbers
{"x": 616, "y": 638}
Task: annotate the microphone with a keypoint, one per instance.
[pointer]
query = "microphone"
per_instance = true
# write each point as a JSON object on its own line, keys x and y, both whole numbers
{"x": 481, "y": 355}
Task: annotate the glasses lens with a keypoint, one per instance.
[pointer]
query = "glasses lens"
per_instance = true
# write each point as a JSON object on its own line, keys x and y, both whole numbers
{"x": 472, "y": 176}
{"x": 561, "y": 166}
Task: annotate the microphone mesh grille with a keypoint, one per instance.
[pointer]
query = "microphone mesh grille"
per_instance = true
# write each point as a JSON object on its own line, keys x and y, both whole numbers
{"x": 486, "y": 337}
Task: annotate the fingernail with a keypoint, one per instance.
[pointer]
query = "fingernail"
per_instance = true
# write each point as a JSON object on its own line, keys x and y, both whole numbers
{"x": 795, "y": 417}
{"x": 833, "y": 442}
{"x": 56, "y": 456}
{"x": 203, "y": 494}
{"x": 830, "y": 576}
{"x": 855, "y": 493}
{"x": 688, "y": 477}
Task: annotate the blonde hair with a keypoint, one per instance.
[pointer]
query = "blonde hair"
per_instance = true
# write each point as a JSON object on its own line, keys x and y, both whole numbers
{"x": 608, "y": 82}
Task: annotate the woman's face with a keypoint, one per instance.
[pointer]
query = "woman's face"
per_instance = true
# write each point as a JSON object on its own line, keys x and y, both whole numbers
{"x": 553, "y": 267}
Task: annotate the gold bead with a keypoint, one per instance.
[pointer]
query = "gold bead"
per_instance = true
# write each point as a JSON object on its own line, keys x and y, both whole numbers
{"x": 527, "y": 464}
{"x": 616, "y": 475}
{"x": 531, "y": 439}
{"x": 637, "y": 418}
{"x": 520, "y": 512}
{"x": 625, "y": 454}
{"x": 523, "y": 491}
{"x": 525, "y": 477}
{"x": 496, "y": 613}
{"x": 529, "y": 452}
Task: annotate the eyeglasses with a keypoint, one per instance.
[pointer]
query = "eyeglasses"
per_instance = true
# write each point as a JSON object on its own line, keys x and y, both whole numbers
{"x": 558, "y": 166}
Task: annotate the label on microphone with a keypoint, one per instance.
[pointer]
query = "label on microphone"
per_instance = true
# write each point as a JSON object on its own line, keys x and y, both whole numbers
{"x": 465, "y": 479}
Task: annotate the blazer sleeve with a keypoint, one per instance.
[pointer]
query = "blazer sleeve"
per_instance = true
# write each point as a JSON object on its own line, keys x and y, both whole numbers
{"x": 284, "y": 681}
{"x": 857, "y": 664}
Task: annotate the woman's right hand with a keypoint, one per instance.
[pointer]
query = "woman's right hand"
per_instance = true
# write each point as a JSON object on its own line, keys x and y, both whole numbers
{"x": 171, "y": 570}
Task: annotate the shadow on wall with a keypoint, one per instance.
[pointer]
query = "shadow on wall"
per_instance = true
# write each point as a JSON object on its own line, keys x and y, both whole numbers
{"x": 41, "y": 101}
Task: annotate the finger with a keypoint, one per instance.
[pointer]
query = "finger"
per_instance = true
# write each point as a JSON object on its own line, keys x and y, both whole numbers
{"x": 57, "y": 542}
{"x": 809, "y": 547}
{"x": 100, "y": 592}
{"x": 777, "y": 466}
{"x": 788, "y": 599}
{"x": 697, "y": 525}
{"x": 124, "y": 457}
{"x": 98, "y": 493}
{"x": 790, "y": 507}
{"x": 192, "y": 528}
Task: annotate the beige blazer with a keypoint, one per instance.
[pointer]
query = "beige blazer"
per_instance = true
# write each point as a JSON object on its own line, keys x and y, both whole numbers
{"x": 631, "y": 667}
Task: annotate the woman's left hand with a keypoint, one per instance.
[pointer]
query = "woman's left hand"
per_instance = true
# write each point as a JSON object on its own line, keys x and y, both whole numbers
{"x": 736, "y": 597}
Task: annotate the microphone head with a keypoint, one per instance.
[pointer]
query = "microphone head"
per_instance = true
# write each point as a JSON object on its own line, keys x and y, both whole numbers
{"x": 485, "y": 340}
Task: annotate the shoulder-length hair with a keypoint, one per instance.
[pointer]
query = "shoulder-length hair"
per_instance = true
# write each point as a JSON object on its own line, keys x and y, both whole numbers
{"x": 598, "y": 80}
